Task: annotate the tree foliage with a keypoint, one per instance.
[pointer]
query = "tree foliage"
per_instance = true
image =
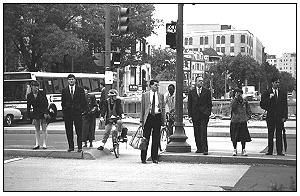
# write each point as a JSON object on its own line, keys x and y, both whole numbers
{"x": 47, "y": 36}
{"x": 163, "y": 62}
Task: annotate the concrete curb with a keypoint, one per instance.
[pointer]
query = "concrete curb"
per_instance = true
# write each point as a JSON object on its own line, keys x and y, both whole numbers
{"x": 224, "y": 158}
{"x": 90, "y": 154}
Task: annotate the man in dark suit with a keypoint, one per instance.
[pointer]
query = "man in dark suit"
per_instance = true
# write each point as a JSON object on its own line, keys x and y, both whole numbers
{"x": 274, "y": 101}
{"x": 73, "y": 103}
{"x": 199, "y": 110}
{"x": 152, "y": 117}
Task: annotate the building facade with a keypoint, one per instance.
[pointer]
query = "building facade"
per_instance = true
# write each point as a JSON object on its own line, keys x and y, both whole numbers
{"x": 224, "y": 39}
{"x": 287, "y": 63}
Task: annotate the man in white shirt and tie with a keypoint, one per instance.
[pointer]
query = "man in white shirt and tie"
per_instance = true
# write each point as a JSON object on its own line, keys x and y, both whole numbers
{"x": 73, "y": 104}
{"x": 152, "y": 117}
{"x": 274, "y": 101}
{"x": 199, "y": 110}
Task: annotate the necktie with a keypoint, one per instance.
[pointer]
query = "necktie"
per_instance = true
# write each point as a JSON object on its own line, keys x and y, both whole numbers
{"x": 199, "y": 91}
{"x": 72, "y": 92}
{"x": 153, "y": 105}
{"x": 276, "y": 94}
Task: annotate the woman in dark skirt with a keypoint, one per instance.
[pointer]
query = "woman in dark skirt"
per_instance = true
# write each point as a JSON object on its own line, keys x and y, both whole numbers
{"x": 89, "y": 118}
{"x": 240, "y": 114}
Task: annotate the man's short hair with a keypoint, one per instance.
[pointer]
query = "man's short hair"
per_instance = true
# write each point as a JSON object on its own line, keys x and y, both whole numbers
{"x": 71, "y": 76}
{"x": 34, "y": 83}
{"x": 152, "y": 82}
{"x": 275, "y": 78}
{"x": 237, "y": 90}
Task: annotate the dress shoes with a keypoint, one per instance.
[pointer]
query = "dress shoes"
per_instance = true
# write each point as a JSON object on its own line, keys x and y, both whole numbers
{"x": 144, "y": 162}
{"x": 155, "y": 161}
{"x": 36, "y": 147}
{"x": 205, "y": 153}
{"x": 44, "y": 147}
{"x": 100, "y": 148}
{"x": 79, "y": 150}
{"x": 268, "y": 153}
{"x": 280, "y": 154}
{"x": 70, "y": 150}
{"x": 199, "y": 151}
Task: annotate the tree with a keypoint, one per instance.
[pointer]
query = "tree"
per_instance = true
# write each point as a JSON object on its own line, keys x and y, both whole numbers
{"x": 287, "y": 82}
{"x": 163, "y": 64}
{"x": 236, "y": 69}
{"x": 268, "y": 72}
{"x": 56, "y": 34}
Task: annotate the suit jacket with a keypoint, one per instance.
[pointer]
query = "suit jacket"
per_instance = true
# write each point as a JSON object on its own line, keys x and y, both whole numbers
{"x": 199, "y": 106}
{"x": 39, "y": 105}
{"x": 146, "y": 107}
{"x": 77, "y": 104}
{"x": 275, "y": 107}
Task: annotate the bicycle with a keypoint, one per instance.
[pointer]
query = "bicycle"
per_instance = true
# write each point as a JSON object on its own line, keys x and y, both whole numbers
{"x": 116, "y": 136}
{"x": 166, "y": 131}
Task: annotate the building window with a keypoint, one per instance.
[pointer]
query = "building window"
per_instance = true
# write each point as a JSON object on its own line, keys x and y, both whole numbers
{"x": 201, "y": 40}
{"x": 218, "y": 39}
{"x": 186, "y": 40}
{"x": 223, "y": 39}
{"x": 218, "y": 49}
{"x": 242, "y": 49}
{"x": 223, "y": 49}
{"x": 231, "y": 49}
{"x": 206, "y": 40}
{"x": 231, "y": 38}
{"x": 190, "y": 41}
{"x": 242, "y": 38}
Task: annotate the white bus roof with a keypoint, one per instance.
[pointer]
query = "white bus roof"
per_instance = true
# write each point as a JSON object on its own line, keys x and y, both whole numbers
{"x": 60, "y": 75}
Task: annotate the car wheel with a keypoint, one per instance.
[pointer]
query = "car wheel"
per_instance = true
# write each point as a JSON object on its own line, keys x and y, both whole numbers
{"x": 8, "y": 120}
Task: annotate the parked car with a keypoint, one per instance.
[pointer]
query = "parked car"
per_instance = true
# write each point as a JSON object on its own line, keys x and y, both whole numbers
{"x": 11, "y": 115}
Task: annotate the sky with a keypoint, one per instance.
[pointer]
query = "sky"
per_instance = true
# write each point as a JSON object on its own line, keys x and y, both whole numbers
{"x": 273, "y": 24}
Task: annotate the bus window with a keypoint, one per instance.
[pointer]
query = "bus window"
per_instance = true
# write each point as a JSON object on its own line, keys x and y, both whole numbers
{"x": 86, "y": 82}
{"x": 57, "y": 84}
{"x": 95, "y": 87}
{"x": 65, "y": 82}
{"x": 16, "y": 91}
{"x": 78, "y": 81}
{"x": 48, "y": 85}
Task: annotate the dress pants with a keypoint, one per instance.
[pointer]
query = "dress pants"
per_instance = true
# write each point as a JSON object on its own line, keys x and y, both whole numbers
{"x": 275, "y": 124}
{"x": 153, "y": 123}
{"x": 200, "y": 133}
{"x": 71, "y": 117}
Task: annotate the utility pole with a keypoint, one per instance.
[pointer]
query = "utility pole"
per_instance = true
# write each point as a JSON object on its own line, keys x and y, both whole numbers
{"x": 178, "y": 139}
{"x": 107, "y": 42}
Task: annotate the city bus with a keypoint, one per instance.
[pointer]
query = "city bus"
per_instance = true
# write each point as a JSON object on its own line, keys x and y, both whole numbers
{"x": 17, "y": 87}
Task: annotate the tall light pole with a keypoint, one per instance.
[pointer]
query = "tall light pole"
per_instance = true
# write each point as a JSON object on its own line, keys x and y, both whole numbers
{"x": 178, "y": 139}
{"x": 107, "y": 41}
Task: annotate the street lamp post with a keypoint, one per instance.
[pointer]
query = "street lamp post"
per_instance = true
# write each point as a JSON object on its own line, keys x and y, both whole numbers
{"x": 178, "y": 139}
{"x": 211, "y": 85}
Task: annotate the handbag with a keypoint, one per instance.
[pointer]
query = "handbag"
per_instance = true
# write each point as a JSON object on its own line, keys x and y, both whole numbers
{"x": 138, "y": 141}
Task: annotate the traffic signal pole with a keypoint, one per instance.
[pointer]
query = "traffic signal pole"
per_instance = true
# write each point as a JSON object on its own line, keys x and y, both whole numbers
{"x": 107, "y": 42}
{"x": 178, "y": 139}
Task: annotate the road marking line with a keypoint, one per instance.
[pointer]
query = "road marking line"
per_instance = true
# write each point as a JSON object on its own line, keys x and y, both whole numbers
{"x": 12, "y": 160}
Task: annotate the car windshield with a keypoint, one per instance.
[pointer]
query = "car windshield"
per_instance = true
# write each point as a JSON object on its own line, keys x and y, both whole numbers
{"x": 16, "y": 91}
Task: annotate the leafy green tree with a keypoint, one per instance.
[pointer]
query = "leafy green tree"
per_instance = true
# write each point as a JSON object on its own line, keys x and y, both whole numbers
{"x": 236, "y": 69}
{"x": 268, "y": 72}
{"x": 163, "y": 64}
{"x": 287, "y": 82}
{"x": 54, "y": 35}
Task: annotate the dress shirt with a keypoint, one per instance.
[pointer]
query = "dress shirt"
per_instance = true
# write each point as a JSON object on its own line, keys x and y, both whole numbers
{"x": 71, "y": 90}
{"x": 156, "y": 101}
{"x": 199, "y": 90}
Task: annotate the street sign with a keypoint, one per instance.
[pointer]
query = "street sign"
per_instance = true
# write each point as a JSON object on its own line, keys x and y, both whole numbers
{"x": 109, "y": 77}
